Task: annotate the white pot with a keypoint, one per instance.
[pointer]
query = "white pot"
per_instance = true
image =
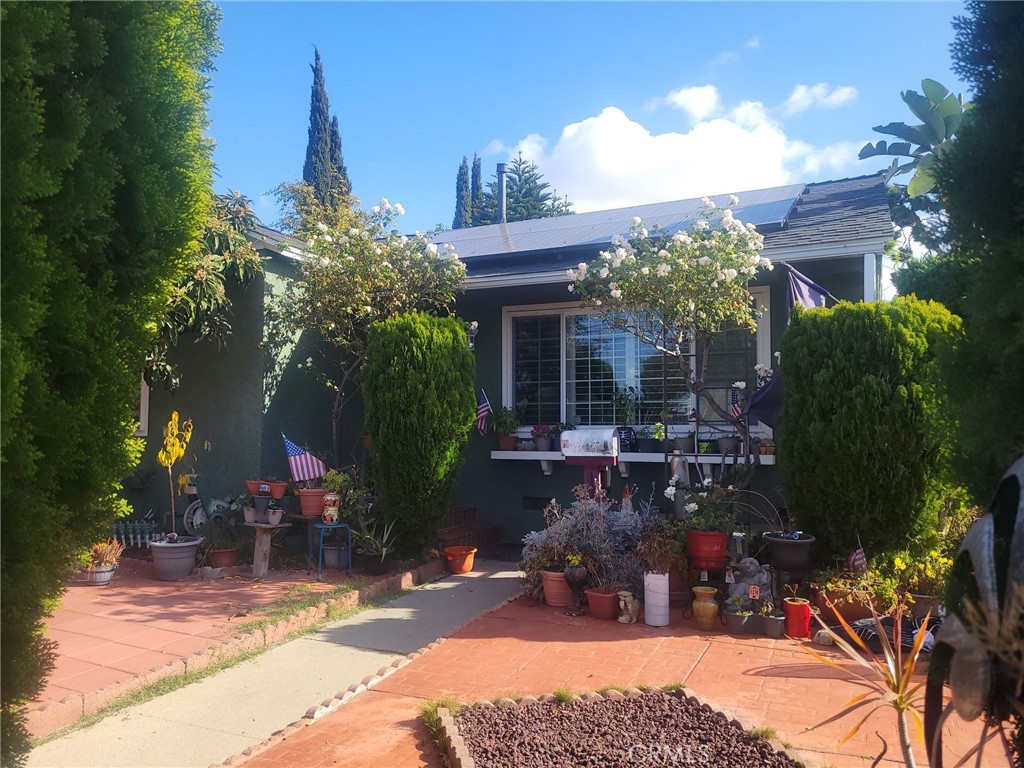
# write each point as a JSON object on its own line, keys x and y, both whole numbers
{"x": 656, "y": 599}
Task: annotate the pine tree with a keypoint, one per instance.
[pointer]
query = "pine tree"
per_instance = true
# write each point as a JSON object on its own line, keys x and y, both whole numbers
{"x": 341, "y": 183}
{"x": 527, "y": 196}
{"x": 476, "y": 191}
{"x": 463, "y": 204}
{"x": 317, "y": 170}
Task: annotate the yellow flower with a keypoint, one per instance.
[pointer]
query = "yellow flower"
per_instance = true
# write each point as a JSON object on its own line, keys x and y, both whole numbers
{"x": 900, "y": 565}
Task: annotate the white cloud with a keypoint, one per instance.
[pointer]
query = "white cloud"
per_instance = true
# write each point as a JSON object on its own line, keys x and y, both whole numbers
{"x": 698, "y": 102}
{"x": 610, "y": 160}
{"x": 804, "y": 97}
{"x": 754, "y": 42}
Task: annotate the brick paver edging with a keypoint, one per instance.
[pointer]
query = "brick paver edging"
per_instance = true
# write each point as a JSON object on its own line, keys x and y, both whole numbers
{"x": 46, "y": 718}
{"x": 458, "y": 756}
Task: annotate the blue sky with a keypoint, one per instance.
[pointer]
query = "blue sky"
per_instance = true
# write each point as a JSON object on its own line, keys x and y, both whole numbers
{"x": 618, "y": 104}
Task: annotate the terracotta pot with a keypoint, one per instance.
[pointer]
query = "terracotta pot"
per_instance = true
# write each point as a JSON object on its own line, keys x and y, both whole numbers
{"x": 222, "y": 558}
{"x": 707, "y": 549}
{"x": 459, "y": 559}
{"x": 798, "y": 616}
{"x": 679, "y": 594}
{"x": 278, "y": 489}
{"x": 705, "y": 608}
{"x": 312, "y": 501}
{"x": 604, "y": 602}
{"x": 508, "y": 443}
{"x": 257, "y": 487}
{"x": 556, "y": 590}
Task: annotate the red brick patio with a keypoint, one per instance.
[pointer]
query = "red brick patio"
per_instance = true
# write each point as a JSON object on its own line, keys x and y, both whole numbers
{"x": 525, "y": 648}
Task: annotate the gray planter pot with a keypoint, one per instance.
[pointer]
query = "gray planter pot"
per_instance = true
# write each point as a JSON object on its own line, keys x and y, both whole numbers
{"x": 735, "y": 623}
{"x": 773, "y": 626}
{"x": 754, "y": 625}
{"x": 788, "y": 554}
{"x": 175, "y": 560}
{"x": 97, "y": 577}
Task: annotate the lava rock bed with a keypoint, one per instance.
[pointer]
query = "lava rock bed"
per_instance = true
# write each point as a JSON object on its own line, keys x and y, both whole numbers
{"x": 655, "y": 728}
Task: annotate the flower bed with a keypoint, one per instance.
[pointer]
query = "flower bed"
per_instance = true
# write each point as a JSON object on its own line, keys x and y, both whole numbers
{"x": 649, "y": 728}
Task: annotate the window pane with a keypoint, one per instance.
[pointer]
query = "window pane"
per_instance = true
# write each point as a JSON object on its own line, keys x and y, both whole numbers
{"x": 731, "y": 357}
{"x": 601, "y": 360}
{"x": 537, "y": 368}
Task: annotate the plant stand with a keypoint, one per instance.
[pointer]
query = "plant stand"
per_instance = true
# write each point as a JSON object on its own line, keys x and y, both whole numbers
{"x": 261, "y": 553}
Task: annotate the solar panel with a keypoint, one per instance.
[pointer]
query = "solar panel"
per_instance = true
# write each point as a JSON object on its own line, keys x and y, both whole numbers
{"x": 765, "y": 208}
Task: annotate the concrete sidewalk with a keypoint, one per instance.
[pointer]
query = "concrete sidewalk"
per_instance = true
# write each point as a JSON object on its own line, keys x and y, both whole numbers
{"x": 222, "y": 715}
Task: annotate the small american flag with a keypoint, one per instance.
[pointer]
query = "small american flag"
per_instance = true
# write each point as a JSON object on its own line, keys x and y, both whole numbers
{"x": 857, "y": 561}
{"x": 483, "y": 410}
{"x": 734, "y": 398}
{"x": 303, "y": 464}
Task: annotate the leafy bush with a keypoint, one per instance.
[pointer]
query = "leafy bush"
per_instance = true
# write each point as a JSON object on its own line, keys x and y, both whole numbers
{"x": 865, "y": 432}
{"x": 106, "y": 180}
{"x": 420, "y": 405}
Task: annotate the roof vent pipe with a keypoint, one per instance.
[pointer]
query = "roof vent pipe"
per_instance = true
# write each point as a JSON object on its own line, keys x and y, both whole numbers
{"x": 502, "y": 193}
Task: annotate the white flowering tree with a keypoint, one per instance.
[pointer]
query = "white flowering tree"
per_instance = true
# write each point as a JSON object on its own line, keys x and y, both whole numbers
{"x": 677, "y": 291}
{"x": 362, "y": 274}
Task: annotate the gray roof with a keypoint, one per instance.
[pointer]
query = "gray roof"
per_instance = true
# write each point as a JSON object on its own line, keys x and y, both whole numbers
{"x": 791, "y": 216}
{"x": 266, "y": 238}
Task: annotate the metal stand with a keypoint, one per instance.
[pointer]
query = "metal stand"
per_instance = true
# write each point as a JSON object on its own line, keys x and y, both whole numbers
{"x": 324, "y": 528}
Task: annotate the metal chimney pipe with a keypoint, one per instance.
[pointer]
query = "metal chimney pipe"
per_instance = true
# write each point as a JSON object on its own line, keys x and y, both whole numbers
{"x": 502, "y": 193}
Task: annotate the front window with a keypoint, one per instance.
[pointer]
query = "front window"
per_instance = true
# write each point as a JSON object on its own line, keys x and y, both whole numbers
{"x": 565, "y": 364}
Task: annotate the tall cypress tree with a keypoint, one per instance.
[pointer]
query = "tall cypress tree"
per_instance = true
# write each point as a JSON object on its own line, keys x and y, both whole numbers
{"x": 341, "y": 182}
{"x": 463, "y": 203}
{"x": 476, "y": 191}
{"x": 317, "y": 171}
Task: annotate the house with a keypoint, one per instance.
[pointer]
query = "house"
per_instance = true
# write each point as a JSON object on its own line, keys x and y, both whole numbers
{"x": 536, "y": 349}
{"x": 539, "y": 352}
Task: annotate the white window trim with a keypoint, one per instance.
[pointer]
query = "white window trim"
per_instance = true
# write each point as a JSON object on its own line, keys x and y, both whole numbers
{"x": 761, "y": 295}
{"x": 143, "y": 428}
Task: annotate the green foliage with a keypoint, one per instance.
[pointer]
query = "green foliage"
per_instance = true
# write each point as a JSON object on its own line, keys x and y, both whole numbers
{"x": 865, "y": 432}
{"x": 342, "y": 186}
{"x": 199, "y": 304}
{"x": 105, "y": 184}
{"x": 463, "y": 201}
{"x": 527, "y": 196}
{"x": 317, "y": 171}
{"x": 941, "y": 277}
{"x": 506, "y": 421}
{"x": 476, "y": 191}
{"x": 420, "y": 405}
{"x": 982, "y": 184}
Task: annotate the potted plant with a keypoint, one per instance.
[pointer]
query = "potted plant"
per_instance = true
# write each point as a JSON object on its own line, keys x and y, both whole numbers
{"x": 243, "y": 504}
{"x": 624, "y": 403}
{"x": 658, "y": 547}
{"x": 710, "y": 521}
{"x": 603, "y": 600}
{"x": 772, "y": 622}
{"x": 736, "y": 614}
{"x": 103, "y": 559}
{"x": 220, "y": 543}
{"x": 346, "y": 496}
{"x": 375, "y": 540}
{"x": 506, "y": 422}
{"x": 542, "y": 435}
{"x": 174, "y": 556}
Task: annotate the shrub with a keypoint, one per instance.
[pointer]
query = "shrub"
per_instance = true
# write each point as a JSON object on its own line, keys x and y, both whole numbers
{"x": 865, "y": 432}
{"x": 106, "y": 180}
{"x": 420, "y": 405}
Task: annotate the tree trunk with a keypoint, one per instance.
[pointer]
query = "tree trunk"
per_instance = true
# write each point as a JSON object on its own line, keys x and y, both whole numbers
{"x": 170, "y": 487}
{"x": 905, "y": 744}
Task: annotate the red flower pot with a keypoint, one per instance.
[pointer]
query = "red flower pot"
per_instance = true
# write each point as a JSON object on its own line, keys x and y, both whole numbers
{"x": 707, "y": 549}
{"x": 604, "y": 602}
{"x": 252, "y": 487}
{"x": 556, "y": 589}
{"x": 798, "y": 616}
{"x": 278, "y": 489}
{"x": 311, "y": 500}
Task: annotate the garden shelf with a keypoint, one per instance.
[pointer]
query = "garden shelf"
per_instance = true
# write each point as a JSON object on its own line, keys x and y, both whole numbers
{"x": 625, "y": 459}
{"x": 546, "y": 458}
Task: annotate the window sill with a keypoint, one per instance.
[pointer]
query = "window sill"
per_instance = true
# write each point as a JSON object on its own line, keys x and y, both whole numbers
{"x": 548, "y": 458}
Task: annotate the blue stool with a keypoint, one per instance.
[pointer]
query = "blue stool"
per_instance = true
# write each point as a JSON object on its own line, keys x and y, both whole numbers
{"x": 323, "y": 528}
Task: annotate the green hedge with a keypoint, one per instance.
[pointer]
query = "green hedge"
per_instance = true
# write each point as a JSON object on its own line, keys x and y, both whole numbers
{"x": 420, "y": 404}
{"x": 865, "y": 432}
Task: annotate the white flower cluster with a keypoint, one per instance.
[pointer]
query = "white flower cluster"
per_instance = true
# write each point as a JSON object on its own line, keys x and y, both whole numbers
{"x": 307, "y": 364}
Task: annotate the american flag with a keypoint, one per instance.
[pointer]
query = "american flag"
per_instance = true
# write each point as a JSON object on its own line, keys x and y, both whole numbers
{"x": 857, "y": 561}
{"x": 483, "y": 409}
{"x": 303, "y": 464}
{"x": 734, "y": 398}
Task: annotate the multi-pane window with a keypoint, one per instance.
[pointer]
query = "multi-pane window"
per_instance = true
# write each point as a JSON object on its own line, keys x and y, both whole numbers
{"x": 566, "y": 365}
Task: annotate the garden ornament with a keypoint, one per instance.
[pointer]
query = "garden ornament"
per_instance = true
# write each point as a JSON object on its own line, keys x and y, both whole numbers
{"x": 629, "y": 608}
{"x": 987, "y": 658}
{"x": 750, "y": 574}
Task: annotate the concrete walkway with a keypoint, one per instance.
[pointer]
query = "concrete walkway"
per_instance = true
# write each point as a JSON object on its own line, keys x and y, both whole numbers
{"x": 222, "y": 715}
